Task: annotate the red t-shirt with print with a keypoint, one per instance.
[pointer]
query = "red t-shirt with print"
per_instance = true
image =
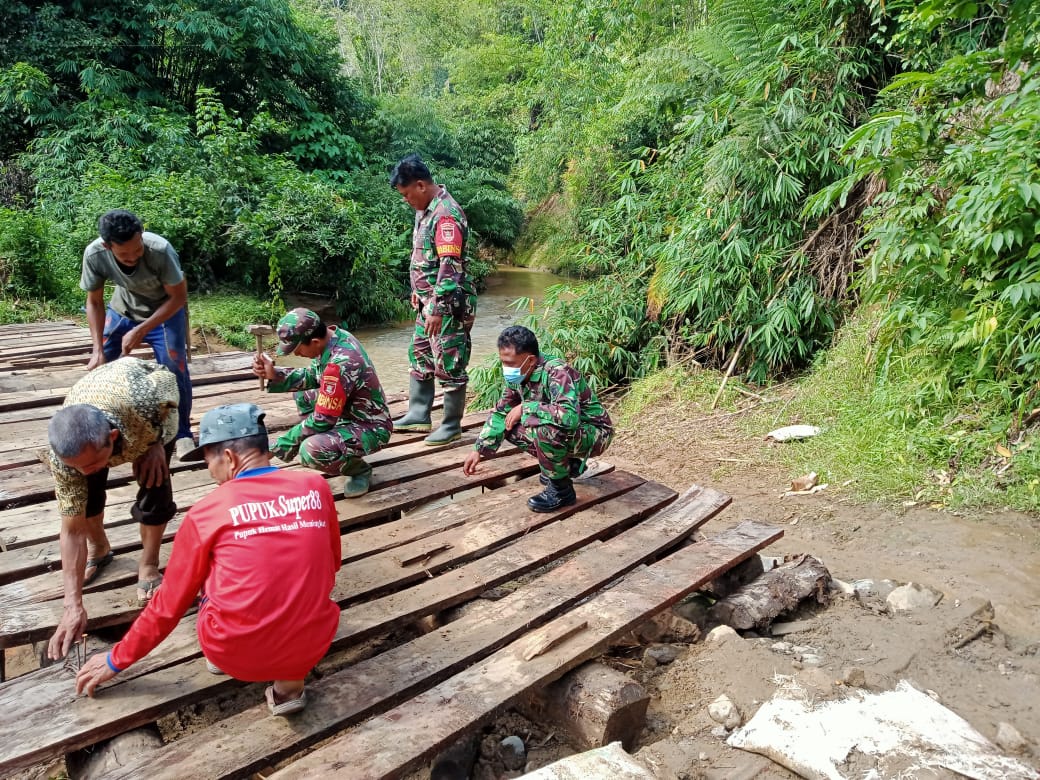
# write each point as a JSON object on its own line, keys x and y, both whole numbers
{"x": 264, "y": 548}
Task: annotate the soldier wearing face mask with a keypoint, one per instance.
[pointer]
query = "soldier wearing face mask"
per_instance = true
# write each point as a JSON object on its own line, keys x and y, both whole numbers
{"x": 547, "y": 410}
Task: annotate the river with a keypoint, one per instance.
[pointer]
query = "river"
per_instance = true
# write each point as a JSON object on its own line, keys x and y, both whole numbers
{"x": 388, "y": 345}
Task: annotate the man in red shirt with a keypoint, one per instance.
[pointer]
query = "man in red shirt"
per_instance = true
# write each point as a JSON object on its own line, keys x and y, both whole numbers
{"x": 264, "y": 548}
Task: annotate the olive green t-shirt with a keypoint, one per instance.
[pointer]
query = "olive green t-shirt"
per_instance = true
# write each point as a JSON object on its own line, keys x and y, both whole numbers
{"x": 137, "y": 294}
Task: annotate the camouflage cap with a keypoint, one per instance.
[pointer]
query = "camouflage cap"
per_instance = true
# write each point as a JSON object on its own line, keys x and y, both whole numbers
{"x": 232, "y": 421}
{"x": 294, "y": 327}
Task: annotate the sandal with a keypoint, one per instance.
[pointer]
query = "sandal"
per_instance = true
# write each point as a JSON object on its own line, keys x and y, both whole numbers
{"x": 146, "y": 589}
{"x": 286, "y": 707}
{"x": 97, "y": 564}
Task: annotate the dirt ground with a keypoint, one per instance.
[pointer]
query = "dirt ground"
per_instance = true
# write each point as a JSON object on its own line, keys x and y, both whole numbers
{"x": 970, "y": 559}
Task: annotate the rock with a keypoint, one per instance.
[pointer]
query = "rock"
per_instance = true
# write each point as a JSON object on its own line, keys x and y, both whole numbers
{"x": 854, "y": 677}
{"x": 666, "y": 627}
{"x": 1009, "y": 739}
{"x": 810, "y": 659}
{"x": 842, "y": 587}
{"x": 724, "y": 711}
{"x": 695, "y": 609}
{"x": 799, "y": 649}
{"x": 662, "y": 654}
{"x": 911, "y": 596}
{"x": 721, "y": 634}
{"x": 720, "y": 732}
{"x": 512, "y": 753}
{"x": 780, "y": 647}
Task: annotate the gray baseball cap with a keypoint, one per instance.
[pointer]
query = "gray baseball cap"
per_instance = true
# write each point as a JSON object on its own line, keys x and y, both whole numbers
{"x": 232, "y": 421}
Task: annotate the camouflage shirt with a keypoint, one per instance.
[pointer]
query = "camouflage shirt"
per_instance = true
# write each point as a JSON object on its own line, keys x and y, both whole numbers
{"x": 438, "y": 265}
{"x": 362, "y": 401}
{"x": 554, "y": 394}
{"x": 139, "y": 398}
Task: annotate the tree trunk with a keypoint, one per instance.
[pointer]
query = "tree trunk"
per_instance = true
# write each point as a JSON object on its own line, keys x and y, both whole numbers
{"x": 591, "y": 707}
{"x": 779, "y": 590}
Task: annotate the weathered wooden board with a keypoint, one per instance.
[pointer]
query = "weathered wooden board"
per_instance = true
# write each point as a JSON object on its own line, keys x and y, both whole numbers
{"x": 135, "y": 701}
{"x": 23, "y": 621}
{"x": 33, "y": 483}
{"x": 388, "y": 498}
{"x": 389, "y": 745}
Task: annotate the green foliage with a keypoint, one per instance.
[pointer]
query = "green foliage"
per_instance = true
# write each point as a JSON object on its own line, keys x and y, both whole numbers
{"x": 225, "y": 314}
{"x": 956, "y": 257}
{"x": 25, "y": 270}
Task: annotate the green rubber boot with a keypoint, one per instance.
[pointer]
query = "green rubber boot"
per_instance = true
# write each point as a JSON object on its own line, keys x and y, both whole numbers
{"x": 358, "y": 478}
{"x": 420, "y": 401}
{"x": 451, "y": 424}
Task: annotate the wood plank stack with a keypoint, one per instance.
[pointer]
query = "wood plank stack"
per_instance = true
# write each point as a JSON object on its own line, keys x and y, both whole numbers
{"x": 405, "y": 558}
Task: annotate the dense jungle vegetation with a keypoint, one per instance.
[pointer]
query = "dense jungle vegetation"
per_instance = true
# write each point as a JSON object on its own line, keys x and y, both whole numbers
{"x": 848, "y": 186}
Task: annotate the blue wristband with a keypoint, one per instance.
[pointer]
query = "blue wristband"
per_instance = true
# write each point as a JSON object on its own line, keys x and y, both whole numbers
{"x": 112, "y": 666}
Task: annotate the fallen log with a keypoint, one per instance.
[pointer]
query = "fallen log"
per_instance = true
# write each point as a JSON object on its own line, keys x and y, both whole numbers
{"x": 591, "y": 707}
{"x": 779, "y": 590}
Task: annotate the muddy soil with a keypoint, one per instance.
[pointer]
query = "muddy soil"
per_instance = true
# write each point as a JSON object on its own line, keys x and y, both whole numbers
{"x": 974, "y": 560}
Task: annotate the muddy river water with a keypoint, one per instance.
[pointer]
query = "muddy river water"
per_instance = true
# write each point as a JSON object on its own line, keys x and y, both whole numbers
{"x": 388, "y": 345}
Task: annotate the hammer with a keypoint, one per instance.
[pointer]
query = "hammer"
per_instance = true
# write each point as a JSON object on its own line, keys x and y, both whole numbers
{"x": 260, "y": 331}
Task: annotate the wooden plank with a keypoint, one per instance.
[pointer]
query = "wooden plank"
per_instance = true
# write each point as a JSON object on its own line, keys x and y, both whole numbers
{"x": 133, "y": 701}
{"x": 33, "y": 483}
{"x": 250, "y": 740}
{"x": 281, "y": 414}
{"x": 385, "y": 501}
{"x": 23, "y": 621}
{"x": 47, "y": 585}
{"x": 205, "y": 370}
{"x": 391, "y": 744}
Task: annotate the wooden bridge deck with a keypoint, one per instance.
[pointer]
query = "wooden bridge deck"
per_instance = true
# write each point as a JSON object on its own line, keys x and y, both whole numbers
{"x": 405, "y": 558}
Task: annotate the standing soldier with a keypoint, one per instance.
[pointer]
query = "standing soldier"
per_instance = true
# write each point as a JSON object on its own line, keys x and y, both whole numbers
{"x": 149, "y": 303}
{"x": 444, "y": 300}
{"x": 547, "y": 410}
{"x": 341, "y": 403}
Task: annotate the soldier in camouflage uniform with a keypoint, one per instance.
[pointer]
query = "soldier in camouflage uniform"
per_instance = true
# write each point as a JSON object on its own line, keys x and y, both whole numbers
{"x": 341, "y": 403}
{"x": 444, "y": 300}
{"x": 548, "y": 410}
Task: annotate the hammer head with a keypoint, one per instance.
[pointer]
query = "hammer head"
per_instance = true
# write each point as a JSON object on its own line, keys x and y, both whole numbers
{"x": 261, "y": 330}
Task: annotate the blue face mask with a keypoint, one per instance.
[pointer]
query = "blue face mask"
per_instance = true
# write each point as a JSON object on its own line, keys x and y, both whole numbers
{"x": 514, "y": 376}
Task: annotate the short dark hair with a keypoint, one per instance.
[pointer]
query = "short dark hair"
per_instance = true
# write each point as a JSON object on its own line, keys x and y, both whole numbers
{"x": 408, "y": 171}
{"x": 318, "y": 333}
{"x": 521, "y": 339}
{"x": 243, "y": 444}
{"x": 119, "y": 226}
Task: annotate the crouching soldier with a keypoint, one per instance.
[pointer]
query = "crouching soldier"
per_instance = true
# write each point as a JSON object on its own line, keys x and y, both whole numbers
{"x": 341, "y": 403}
{"x": 547, "y": 410}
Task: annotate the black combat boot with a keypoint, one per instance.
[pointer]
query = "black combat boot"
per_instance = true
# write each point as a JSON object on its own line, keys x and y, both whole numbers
{"x": 558, "y": 493}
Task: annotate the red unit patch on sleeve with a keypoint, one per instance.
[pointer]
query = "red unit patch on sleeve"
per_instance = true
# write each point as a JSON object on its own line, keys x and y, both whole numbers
{"x": 332, "y": 398}
{"x": 448, "y": 237}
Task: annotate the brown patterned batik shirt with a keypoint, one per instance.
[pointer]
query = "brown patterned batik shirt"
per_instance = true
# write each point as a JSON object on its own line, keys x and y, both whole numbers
{"x": 139, "y": 398}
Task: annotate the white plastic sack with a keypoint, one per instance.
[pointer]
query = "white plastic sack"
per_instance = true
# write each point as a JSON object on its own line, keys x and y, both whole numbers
{"x": 894, "y": 733}
{"x": 793, "y": 432}
{"x": 605, "y": 763}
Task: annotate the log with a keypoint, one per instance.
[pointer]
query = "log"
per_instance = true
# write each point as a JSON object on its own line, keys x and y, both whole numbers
{"x": 591, "y": 707}
{"x": 779, "y": 590}
{"x": 99, "y": 760}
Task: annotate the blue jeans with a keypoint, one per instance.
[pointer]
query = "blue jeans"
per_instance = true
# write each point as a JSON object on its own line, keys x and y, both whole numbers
{"x": 169, "y": 342}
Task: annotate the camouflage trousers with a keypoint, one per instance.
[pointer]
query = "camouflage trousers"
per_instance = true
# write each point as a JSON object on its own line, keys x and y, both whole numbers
{"x": 335, "y": 451}
{"x": 553, "y": 446}
{"x": 444, "y": 356}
